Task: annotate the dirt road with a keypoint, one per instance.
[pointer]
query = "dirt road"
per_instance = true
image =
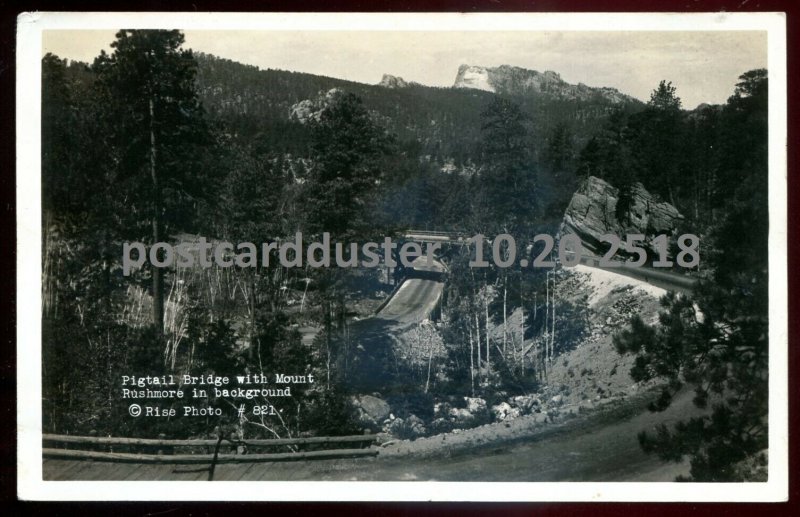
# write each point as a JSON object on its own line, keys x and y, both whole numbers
{"x": 601, "y": 446}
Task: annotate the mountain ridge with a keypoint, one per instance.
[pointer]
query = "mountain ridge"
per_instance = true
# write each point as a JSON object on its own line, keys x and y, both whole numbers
{"x": 443, "y": 122}
{"x": 514, "y": 80}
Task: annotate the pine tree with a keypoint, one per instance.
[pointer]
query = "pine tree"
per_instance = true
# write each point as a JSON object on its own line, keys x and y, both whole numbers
{"x": 559, "y": 154}
{"x": 347, "y": 150}
{"x": 156, "y": 128}
{"x": 664, "y": 98}
{"x": 508, "y": 177}
{"x": 657, "y": 138}
{"x": 717, "y": 339}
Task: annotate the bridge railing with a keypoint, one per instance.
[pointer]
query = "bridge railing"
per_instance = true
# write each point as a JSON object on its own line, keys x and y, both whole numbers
{"x": 434, "y": 233}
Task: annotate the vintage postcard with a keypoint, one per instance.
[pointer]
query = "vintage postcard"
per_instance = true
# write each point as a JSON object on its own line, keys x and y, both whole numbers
{"x": 458, "y": 257}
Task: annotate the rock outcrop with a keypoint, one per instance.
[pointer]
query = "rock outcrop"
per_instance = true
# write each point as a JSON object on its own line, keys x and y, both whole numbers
{"x": 372, "y": 411}
{"x": 592, "y": 212}
{"x": 512, "y": 80}
{"x": 474, "y": 77}
{"x": 391, "y": 81}
{"x": 309, "y": 110}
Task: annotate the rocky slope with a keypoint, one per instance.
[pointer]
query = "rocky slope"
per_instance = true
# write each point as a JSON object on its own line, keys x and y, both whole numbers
{"x": 512, "y": 80}
{"x": 591, "y": 374}
{"x": 593, "y": 212}
{"x": 593, "y": 370}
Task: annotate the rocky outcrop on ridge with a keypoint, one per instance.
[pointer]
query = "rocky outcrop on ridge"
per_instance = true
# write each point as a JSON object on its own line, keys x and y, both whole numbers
{"x": 513, "y": 80}
{"x": 391, "y": 81}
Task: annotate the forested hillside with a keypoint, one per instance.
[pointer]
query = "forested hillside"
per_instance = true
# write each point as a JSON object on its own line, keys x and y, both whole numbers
{"x": 442, "y": 123}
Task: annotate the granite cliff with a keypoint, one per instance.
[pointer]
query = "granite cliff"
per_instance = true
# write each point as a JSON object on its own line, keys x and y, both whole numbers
{"x": 512, "y": 80}
{"x": 593, "y": 211}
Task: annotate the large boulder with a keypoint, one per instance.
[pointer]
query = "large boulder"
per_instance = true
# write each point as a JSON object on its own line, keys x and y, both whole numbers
{"x": 408, "y": 428}
{"x": 525, "y": 403}
{"x": 372, "y": 411}
{"x": 504, "y": 411}
{"x": 415, "y": 426}
{"x": 475, "y": 405}
{"x": 592, "y": 212}
{"x": 461, "y": 416}
{"x": 441, "y": 409}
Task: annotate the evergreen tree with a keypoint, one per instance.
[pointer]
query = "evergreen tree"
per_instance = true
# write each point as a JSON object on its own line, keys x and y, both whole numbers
{"x": 609, "y": 154}
{"x": 57, "y": 108}
{"x": 664, "y": 98}
{"x": 347, "y": 151}
{"x": 559, "y": 154}
{"x": 590, "y": 162}
{"x": 156, "y": 135}
{"x": 743, "y": 149}
{"x": 508, "y": 177}
{"x": 348, "y": 154}
{"x": 657, "y": 134}
{"x": 560, "y": 157}
{"x": 717, "y": 339}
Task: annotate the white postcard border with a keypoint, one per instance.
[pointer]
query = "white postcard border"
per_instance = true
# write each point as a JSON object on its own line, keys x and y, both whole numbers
{"x": 29, "y": 415}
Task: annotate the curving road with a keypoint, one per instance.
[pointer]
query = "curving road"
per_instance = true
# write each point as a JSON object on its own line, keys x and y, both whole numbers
{"x": 659, "y": 277}
{"x": 664, "y": 278}
{"x": 600, "y": 447}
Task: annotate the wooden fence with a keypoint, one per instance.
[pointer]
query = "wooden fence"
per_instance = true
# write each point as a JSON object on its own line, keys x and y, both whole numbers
{"x": 143, "y": 450}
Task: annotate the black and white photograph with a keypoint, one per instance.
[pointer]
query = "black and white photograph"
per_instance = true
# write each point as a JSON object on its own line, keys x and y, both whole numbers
{"x": 430, "y": 256}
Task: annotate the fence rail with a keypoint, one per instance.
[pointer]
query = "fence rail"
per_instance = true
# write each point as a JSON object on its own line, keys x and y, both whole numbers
{"x": 122, "y": 457}
{"x": 101, "y": 448}
{"x": 103, "y": 440}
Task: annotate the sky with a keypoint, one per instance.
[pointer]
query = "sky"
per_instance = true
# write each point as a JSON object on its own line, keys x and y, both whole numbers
{"x": 703, "y": 65}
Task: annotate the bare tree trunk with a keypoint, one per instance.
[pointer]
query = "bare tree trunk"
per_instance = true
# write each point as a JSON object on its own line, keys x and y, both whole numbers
{"x": 252, "y": 301}
{"x": 478, "y": 339}
{"x": 328, "y": 330}
{"x": 307, "y": 280}
{"x": 521, "y": 327}
{"x": 505, "y": 315}
{"x": 346, "y": 341}
{"x": 341, "y": 327}
{"x": 486, "y": 316}
{"x": 546, "y": 316}
{"x": 471, "y": 359}
{"x": 534, "y": 361}
{"x": 553, "y": 316}
{"x": 430, "y": 360}
{"x": 158, "y": 287}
